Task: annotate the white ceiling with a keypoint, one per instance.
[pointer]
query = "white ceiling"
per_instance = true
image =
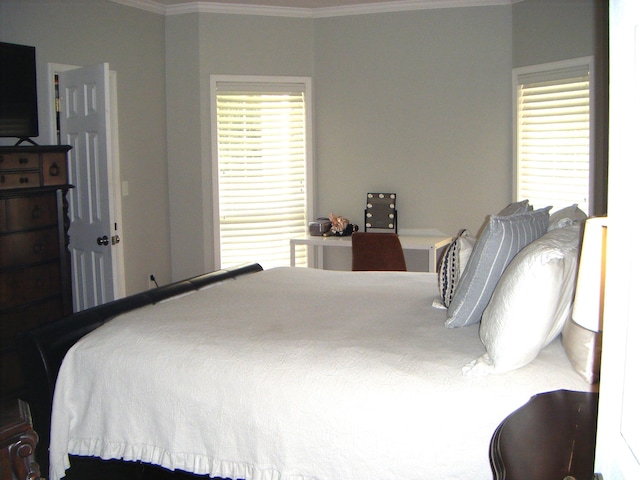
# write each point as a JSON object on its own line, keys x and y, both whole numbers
{"x": 279, "y": 3}
{"x": 299, "y": 8}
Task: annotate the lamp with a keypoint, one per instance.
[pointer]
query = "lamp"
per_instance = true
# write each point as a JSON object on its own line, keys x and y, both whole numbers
{"x": 588, "y": 305}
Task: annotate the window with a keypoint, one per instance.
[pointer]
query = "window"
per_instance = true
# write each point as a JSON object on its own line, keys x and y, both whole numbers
{"x": 263, "y": 169}
{"x": 553, "y": 133}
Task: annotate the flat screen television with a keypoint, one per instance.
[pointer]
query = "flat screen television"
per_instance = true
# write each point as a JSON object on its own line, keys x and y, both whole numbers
{"x": 18, "y": 92}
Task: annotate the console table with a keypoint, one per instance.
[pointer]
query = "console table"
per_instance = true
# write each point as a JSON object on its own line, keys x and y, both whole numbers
{"x": 429, "y": 243}
{"x": 551, "y": 437}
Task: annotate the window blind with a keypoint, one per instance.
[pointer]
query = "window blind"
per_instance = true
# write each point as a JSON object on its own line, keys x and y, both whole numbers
{"x": 553, "y": 138}
{"x": 261, "y": 173}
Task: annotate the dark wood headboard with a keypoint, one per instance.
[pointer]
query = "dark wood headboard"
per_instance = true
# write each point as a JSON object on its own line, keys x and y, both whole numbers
{"x": 43, "y": 348}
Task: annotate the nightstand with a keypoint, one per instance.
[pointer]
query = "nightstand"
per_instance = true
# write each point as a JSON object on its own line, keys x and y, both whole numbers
{"x": 17, "y": 442}
{"x": 551, "y": 437}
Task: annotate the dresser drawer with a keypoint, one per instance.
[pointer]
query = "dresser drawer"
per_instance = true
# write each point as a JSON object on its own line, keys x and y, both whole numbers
{"x": 10, "y": 370}
{"x": 29, "y": 284}
{"x": 19, "y": 161}
{"x": 28, "y": 317}
{"x": 19, "y": 180}
{"x": 31, "y": 247}
{"x": 30, "y": 212}
{"x": 54, "y": 169}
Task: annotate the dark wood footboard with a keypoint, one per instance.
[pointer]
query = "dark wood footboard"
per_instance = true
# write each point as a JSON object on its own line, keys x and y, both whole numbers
{"x": 43, "y": 349}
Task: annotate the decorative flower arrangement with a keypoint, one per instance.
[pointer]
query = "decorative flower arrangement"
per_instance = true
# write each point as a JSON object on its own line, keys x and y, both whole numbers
{"x": 340, "y": 226}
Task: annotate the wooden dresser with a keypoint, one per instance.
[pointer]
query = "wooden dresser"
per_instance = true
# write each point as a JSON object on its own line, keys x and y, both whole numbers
{"x": 35, "y": 272}
{"x": 18, "y": 442}
{"x": 551, "y": 437}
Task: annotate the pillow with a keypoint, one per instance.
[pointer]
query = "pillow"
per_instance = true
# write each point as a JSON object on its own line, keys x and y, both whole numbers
{"x": 515, "y": 207}
{"x": 566, "y": 216}
{"x": 454, "y": 261}
{"x": 511, "y": 209}
{"x": 532, "y": 300}
{"x": 499, "y": 242}
{"x": 583, "y": 347}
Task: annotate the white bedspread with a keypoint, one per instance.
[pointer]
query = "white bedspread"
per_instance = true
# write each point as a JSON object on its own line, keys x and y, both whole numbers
{"x": 293, "y": 374}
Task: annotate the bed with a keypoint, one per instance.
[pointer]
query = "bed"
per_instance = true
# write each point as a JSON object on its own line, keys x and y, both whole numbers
{"x": 294, "y": 373}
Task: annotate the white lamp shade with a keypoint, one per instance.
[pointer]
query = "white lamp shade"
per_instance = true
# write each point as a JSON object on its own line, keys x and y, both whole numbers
{"x": 589, "y": 298}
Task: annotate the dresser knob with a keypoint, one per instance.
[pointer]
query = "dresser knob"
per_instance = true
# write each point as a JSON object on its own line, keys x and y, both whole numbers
{"x": 36, "y": 212}
{"x": 38, "y": 248}
{"x": 54, "y": 170}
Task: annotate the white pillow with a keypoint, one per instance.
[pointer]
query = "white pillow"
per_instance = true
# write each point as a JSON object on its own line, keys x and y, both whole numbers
{"x": 532, "y": 300}
{"x": 454, "y": 260}
{"x": 566, "y": 216}
{"x": 499, "y": 242}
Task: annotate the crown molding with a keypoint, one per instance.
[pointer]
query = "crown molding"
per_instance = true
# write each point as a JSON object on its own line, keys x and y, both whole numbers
{"x": 148, "y": 5}
{"x": 321, "y": 12}
{"x": 401, "y": 6}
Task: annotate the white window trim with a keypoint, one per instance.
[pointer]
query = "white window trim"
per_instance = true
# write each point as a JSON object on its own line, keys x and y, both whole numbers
{"x": 214, "y": 80}
{"x": 550, "y": 68}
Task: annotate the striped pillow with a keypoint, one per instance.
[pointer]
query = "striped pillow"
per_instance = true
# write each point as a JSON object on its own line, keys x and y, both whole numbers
{"x": 453, "y": 263}
{"x": 515, "y": 207}
{"x": 500, "y": 241}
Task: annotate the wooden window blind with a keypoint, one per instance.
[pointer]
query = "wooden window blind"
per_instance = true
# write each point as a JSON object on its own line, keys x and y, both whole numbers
{"x": 553, "y": 135}
{"x": 262, "y": 172}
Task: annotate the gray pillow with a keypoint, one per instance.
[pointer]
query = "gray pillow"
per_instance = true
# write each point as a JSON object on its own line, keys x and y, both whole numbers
{"x": 515, "y": 207}
{"x": 500, "y": 241}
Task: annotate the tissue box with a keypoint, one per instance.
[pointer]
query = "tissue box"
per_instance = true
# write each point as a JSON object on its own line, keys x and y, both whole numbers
{"x": 319, "y": 227}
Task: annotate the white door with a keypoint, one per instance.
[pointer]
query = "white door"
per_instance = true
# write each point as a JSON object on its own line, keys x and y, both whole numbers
{"x": 85, "y": 124}
{"x": 618, "y": 438}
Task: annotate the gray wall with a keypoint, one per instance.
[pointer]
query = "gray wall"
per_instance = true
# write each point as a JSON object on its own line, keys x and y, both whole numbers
{"x": 418, "y": 103}
{"x": 199, "y": 46}
{"x": 415, "y": 103}
{"x": 87, "y": 32}
{"x": 553, "y": 30}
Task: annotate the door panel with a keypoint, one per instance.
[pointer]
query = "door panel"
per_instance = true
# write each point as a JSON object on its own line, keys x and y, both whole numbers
{"x": 85, "y": 125}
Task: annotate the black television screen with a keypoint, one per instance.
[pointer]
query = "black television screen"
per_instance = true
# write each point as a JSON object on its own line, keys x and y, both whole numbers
{"x": 18, "y": 91}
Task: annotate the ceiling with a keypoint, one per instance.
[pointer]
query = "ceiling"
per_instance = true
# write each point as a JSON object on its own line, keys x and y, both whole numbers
{"x": 299, "y": 8}
{"x": 279, "y": 3}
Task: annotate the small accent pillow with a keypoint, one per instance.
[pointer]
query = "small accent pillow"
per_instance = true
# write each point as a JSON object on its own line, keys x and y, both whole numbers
{"x": 454, "y": 261}
{"x": 566, "y": 216}
{"x": 499, "y": 242}
{"x": 583, "y": 347}
{"x": 532, "y": 300}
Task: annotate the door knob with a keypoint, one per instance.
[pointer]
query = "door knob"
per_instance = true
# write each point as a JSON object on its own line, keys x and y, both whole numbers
{"x": 104, "y": 240}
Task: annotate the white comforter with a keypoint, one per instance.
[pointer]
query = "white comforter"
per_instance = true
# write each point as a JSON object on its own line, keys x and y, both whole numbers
{"x": 293, "y": 374}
